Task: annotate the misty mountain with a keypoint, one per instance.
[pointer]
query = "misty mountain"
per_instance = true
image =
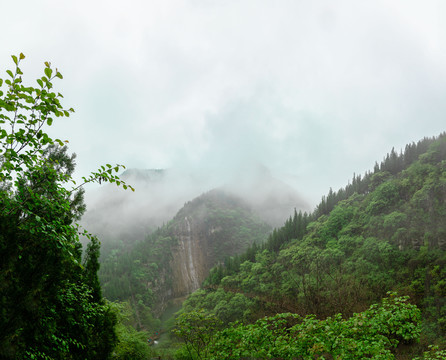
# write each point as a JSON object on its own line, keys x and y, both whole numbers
{"x": 272, "y": 199}
{"x": 173, "y": 261}
{"x": 120, "y": 218}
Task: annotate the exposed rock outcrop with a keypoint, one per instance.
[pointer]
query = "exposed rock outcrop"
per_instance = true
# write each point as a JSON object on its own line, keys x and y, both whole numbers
{"x": 205, "y": 231}
{"x": 189, "y": 265}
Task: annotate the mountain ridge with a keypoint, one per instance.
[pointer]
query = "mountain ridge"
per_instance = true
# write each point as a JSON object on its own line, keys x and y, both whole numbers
{"x": 385, "y": 231}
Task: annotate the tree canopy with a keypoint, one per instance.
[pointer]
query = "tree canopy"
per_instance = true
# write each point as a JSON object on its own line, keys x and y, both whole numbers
{"x": 50, "y": 299}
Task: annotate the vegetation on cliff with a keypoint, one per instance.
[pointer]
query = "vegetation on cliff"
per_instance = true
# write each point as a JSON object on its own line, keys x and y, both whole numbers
{"x": 222, "y": 224}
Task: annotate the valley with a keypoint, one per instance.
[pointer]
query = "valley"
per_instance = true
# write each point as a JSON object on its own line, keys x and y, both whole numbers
{"x": 383, "y": 232}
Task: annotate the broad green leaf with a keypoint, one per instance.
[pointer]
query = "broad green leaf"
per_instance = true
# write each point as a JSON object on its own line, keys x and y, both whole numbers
{"x": 14, "y": 58}
{"x": 48, "y": 72}
{"x": 10, "y": 73}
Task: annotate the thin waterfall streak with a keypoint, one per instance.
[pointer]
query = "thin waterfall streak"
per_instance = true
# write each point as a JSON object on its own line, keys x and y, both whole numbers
{"x": 191, "y": 267}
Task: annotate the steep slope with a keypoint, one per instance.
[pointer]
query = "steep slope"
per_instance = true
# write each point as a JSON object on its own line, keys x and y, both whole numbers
{"x": 384, "y": 231}
{"x": 175, "y": 259}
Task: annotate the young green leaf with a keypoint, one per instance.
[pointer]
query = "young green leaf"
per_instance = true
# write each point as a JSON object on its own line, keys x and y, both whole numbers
{"x": 48, "y": 72}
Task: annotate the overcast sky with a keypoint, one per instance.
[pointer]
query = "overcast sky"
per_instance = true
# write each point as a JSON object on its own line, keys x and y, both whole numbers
{"x": 314, "y": 90}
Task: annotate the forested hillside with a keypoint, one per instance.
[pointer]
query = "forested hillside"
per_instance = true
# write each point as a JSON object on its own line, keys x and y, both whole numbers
{"x": 174, "y": 260}
{"x": 385, "y": 231}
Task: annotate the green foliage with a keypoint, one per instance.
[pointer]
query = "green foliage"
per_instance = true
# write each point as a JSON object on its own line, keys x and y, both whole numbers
{"x": 226, "y": 305}
{"x": 91, "y": 267}
{"x": 374, "y": 334}
{"x": 383, "y": 232}
{"x": 339, "y": 217}
{"x": 383, "y": 198}
{"x": 51, "y": 305}
{"x": 131, "y": 344}
{"x": 197, "y": 329}
{"x": 434, "y": 353}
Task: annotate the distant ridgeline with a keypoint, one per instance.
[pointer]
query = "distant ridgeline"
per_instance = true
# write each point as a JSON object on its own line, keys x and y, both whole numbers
{"x": 174, "y": 260}
{"x": 385, "y": 231}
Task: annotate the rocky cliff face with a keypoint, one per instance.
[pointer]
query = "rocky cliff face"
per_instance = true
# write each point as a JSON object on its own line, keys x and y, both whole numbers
{"x": 172, "y": 262}
{"x": 189, "y": 265}
{"x": 205, "y": 231}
